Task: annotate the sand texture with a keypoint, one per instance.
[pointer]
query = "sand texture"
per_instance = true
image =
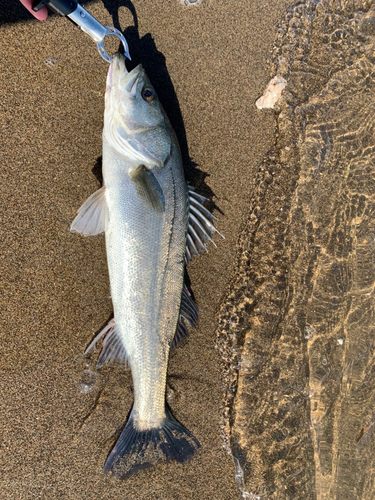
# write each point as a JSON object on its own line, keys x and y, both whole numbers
{"x": 58, "y": 417}
{"x": 297, "y": 326}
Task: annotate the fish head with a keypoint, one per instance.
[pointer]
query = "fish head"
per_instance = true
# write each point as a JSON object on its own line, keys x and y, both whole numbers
{"x": 134, "y": 121}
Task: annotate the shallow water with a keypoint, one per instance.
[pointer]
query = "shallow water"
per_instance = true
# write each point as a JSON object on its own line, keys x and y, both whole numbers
{"x": 297, "y": 326}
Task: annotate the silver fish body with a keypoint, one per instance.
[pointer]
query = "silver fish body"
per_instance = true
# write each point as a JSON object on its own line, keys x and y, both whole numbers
{"x": 145, "y": 252}
{"x": 153, "y": 225}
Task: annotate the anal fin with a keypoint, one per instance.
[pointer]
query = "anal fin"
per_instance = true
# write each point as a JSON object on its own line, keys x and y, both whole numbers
{"x": 112, "y": 347}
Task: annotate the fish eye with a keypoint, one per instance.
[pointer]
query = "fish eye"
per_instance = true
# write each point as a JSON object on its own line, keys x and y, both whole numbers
{"x": 148, "y": 94}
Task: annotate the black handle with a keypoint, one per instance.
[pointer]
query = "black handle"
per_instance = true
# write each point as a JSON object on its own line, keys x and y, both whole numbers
{"x": 62, "y": 7}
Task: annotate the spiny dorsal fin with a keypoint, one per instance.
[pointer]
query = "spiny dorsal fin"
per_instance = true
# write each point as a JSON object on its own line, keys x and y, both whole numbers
{"x": 112, "y": 348}
{"x": 200, "y": 228}
{"x": 92, "y": 215}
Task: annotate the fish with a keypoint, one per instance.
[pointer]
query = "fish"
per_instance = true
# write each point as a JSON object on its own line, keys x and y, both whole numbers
{"x": 154, "y": 224}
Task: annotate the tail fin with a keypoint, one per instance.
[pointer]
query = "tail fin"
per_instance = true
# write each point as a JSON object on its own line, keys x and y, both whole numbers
{"x": 136, "y": 450}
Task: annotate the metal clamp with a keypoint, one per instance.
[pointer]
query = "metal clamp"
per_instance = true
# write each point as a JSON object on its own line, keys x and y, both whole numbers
{"x": 84, "y": 20}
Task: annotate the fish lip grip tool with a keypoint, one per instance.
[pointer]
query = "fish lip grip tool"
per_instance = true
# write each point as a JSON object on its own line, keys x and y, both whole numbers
{"x": 84, "y": 20}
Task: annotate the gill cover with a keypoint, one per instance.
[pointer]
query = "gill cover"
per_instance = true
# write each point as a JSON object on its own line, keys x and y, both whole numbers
{"x": 134, "y": 123}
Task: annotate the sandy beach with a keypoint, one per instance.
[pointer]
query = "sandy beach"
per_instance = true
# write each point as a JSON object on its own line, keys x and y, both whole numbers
{"x": 209, "y": 65}
{"x": 285, "y": 342}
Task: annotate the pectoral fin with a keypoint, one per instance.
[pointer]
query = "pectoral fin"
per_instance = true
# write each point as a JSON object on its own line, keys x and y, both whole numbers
{"x": 148, "y": 188}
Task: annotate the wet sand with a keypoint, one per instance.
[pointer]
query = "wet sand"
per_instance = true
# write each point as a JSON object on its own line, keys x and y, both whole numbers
{"x": 209, "y": 65}
{"x": 297, "y": 324}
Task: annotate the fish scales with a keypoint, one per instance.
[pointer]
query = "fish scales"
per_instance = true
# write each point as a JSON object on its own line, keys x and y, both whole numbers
{"x": 146, "y": 264}
{"x": 153, "y": 223}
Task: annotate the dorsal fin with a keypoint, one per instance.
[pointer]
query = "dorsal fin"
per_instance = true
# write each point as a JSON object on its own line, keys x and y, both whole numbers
{"x": 200, "y": 228}
{"x": 188, "y": 314}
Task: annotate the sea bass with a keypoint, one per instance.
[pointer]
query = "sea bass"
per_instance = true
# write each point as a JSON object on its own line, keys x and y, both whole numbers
{"x": 154, "y": 224}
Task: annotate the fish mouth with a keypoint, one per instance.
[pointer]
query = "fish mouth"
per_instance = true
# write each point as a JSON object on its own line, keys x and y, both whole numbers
{"x": 117, "y": 71}
{"x": 118, "y": 76}
{"x": 132, "y": 79}
{"x": 118, "y": 66}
